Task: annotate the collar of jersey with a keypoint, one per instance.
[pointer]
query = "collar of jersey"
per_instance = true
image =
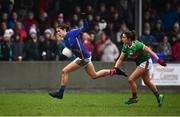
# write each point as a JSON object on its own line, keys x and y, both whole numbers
{"x": 130, "y": 46}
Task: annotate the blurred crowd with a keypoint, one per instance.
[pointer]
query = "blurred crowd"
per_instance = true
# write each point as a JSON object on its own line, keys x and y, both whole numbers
{"x": 27, "y": 27}
{"x": 161, "y": 29}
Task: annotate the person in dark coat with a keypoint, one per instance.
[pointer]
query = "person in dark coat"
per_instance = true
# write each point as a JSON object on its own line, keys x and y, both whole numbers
{"x": 32, "y": 46}
{"x": 18, "y": 47}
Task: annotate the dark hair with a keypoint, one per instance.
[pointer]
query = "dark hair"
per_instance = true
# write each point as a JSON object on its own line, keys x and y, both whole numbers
{"x": 63, "y": 26}
{"x": 130, "y": 35}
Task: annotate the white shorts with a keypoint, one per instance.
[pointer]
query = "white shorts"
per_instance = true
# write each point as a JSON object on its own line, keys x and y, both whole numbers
{"x": 82, "y": 62}
{"x": 146, "y": 64}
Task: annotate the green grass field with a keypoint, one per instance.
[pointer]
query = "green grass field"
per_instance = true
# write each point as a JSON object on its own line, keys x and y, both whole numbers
{"x": 84, "y": 104}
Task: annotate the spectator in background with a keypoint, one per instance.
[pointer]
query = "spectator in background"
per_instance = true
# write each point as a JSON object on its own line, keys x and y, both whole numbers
{"x": 110, "y": 51}
{"x": 5, "y": 5}
{"x": 1, "y": 10}
{"x": 103, "y": 12}
{"x": 178, "y": 11}
{"x": 11, "y": 7}
{"x": 18, "y": 47}
{"x": 90, "y": 19}
{"x": 60, "y": 18}
{"x": 11, "y": 32}
{"x": 116, "y": 20}
{"x": 147, "y": 38}
{"x": 126, "y": 11}
{"x": 154, "y": 16}
{"x": 168, "y": 16}
{"x": 54, "y": 24}
{"x": 32, "y": 46}
{"x": 165, "y": 47}
{"x": 175, "y": 32}
{"x": 75, "y": 21}
{"x": 20, "y": 29}
{"x": 92, "y": 38}
{"x": 109, "y": 30}
{"x": 98, "y": 46}
{"x": 12, "y": 21}
{"x": 113, "y": 10}
{"x": 97, "y": 33}
{"x": 146, "y": 17}
{"x": 102, "y": 24}
{"x": 3, "y": 29}
{"x": 150, "y": 16}
{"x": 44, "y": 21}
{"x": 176, "y": 50}
{"x": 49, "y": 46}
{"x": 28, "y": 22}
{"x": 89, "y": 9}
{"x": 87, "y": 42}
{"x": 44, "y": 5}
{"x": 4, "y": 18}
{"x": 97, "y": 18}
{"x": 7, "y": 52}
{"x": 157, "y": 31}
{"x": 77, "y": 10}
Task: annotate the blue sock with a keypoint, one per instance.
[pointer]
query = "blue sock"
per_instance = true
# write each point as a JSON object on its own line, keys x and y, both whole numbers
{"x": 61, "y": 91}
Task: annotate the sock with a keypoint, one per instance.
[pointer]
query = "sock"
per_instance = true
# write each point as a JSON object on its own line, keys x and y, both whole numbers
{"x": 156, "y": 94}
{"x": 134, "y": 95}
{"x": 61, "y": 91}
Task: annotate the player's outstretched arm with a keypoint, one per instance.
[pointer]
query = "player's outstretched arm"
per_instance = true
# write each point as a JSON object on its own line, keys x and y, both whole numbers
{"x": 85, "y": 26}
{"x": 76, "y": 32}
{"x": 118, "y": 71}
{"x": 115, "y": 69}
{"x": 161, "y": 62}
{"x": 120, "y": 60}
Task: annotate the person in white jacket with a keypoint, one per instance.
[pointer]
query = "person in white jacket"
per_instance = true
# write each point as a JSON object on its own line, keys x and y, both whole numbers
{"x": 110, "y": 51}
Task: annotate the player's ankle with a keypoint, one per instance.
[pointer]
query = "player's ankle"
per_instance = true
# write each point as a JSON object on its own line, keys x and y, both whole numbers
{"x": 134, "y": 95}
{"x": 61, "y": 90}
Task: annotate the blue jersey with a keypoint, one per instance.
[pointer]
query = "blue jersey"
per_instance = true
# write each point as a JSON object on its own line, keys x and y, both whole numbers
{"x": 72, "y": 41}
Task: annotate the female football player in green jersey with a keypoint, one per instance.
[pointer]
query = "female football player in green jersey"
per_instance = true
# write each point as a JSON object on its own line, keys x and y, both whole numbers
{"x": 141, "y": 54}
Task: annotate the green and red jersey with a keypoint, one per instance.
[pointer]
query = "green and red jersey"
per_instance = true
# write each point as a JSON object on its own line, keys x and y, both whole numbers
{"x": 136, "y": 52}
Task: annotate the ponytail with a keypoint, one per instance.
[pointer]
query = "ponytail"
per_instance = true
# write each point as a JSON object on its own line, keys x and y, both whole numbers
{"x": 130, "y": 35}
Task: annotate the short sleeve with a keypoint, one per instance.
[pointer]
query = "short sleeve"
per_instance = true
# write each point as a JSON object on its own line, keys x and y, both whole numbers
{"x": 140, "y": 45}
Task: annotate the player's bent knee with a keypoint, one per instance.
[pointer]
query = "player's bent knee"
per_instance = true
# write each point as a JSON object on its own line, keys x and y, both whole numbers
{"x": 130, "y": 80}
{"x": 94, "y": 77}
{"x": 147, "y": 82}
{"x": 64, "y": 71}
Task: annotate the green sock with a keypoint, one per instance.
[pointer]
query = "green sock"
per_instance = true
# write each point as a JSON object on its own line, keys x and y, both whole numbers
{"x": 134, "y": 95}
{"x": 156, "y": 94}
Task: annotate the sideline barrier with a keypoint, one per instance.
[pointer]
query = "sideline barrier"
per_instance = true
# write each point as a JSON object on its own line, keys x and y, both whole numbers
{"x": 45, "y": 76}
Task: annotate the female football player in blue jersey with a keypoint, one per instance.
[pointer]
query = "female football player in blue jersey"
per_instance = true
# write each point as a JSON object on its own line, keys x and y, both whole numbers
{"x": 83, "y": 57}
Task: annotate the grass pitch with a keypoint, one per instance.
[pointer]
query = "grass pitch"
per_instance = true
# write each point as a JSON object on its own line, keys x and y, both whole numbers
{"x": 87, "y": 104}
